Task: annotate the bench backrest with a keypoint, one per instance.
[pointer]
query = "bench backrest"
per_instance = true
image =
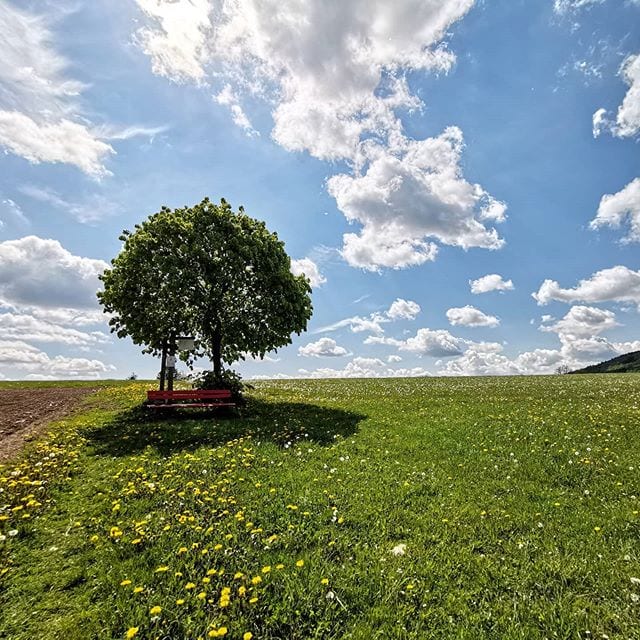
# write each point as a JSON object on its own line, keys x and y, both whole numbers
{"x": 190, "y": 394}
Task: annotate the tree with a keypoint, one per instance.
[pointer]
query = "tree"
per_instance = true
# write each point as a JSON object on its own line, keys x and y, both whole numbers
{"x": 208, "y": 272}
{"x": 563, "y": 369}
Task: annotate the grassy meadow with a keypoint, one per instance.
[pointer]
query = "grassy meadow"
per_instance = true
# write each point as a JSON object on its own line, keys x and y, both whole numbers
{"x": 403, "y": 508}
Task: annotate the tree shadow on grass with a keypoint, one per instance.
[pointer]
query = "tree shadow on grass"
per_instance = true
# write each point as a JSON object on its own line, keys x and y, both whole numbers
{"x": 282, "y": 423}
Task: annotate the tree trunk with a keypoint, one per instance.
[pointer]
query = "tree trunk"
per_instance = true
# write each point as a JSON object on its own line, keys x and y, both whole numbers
{"x": 217, "y": 352}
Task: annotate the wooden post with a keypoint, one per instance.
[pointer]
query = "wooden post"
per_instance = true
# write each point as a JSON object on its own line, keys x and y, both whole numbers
{"x": 172, "y": 353}
{"x": 163, "y": 366}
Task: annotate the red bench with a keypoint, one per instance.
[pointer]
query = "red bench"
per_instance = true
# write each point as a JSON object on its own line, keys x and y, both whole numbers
{"x": 188, "y": 398}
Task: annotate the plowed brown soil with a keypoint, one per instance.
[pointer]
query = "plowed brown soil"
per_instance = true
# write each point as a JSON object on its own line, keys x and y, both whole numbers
{"x": 25, "y": 412}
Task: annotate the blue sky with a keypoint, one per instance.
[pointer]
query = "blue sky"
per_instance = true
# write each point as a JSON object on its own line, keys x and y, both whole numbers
{"x": 402, "y": 151}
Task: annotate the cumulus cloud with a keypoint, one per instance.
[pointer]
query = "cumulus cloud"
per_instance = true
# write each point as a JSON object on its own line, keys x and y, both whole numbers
{"x": 26, "y": 327}
{"x": 409, "y": 195}
{"x": 403, "y": 310}
{"x": 627, "y": 120}
{"x": 17, "y": 355}
{"x": 469, "y": 316}
{"x": 490, "y": 282}
{"x": 323, "y": 348}
{"x": 437, "y": 343}
{"x": 617, "y": 284}
{"x": 618, "y": 208}
{"x": 323, "y": 66}
{"x": 400, "y": 309}
{"x": 337, "y": 82}
{"x": 41, "y": 272}
{"x": 583, "y": 322}
{"x": 361, "y": 367}
{"x": 580, "y": 344}
{"x": 310, "y": 269}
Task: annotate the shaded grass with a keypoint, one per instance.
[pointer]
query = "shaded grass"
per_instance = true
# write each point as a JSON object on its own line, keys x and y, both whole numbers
{"x": 516, "y": 498}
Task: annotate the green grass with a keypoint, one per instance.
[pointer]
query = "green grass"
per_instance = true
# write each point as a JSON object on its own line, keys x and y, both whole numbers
{"x": 515, "y": 501}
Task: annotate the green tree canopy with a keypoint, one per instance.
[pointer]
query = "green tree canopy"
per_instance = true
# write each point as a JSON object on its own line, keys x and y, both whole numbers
{"x": 209, "y": 272}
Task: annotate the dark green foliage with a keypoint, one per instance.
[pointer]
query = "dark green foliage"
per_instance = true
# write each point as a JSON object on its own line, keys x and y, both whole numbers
{"x": 209, "y": 272}
{"x": 228, "y": 379}
{"x": 627, "y": 363}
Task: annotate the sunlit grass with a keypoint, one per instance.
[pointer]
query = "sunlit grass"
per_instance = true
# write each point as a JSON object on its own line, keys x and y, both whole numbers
{"x": 423, "y": 508}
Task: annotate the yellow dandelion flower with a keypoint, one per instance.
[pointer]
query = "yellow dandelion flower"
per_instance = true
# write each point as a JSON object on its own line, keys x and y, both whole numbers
{"x": 155, "y": 611}
{"x": 202, "y": 595}
{"x": 324, "y": 581}
{"x": 242, "y": 590}
{"x": 189, "y": 585}
{"x": 138, "y": 589}
{"x": 179, "y": 601}
{"x": 279, "y": 566}
{"x": 247, "y": 636}
{"x": 256, "y": 580}
{"x": 266, "y": 569}
{"x": 238, "y": 575}
{"x": 300, "y": 563}
{"x": 131, "y": 632}
{"x": 162, "y": 569}
{"x": 253, "y": 600}
{"x": 125, "y": 583}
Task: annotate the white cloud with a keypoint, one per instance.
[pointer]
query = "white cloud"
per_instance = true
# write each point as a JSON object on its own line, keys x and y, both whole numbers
{"x": 490, "y": 282}
{"x": 322, "y": 348}
{"x": 37, "y": 101}
{"x": 337, "y": 82}
{"x": 60, "y": 141}
{"x": 403, "y": 309}
{"x": 228, "y": 98}
{"x": 617, "y": 284}
{"x": 580, "y": 345}
{"x": 437, "y": 343}
{"x": 565, "y": 6}
{"x": 364, "y": 368}
{"x": 321, "y": 66}
{"x": 18, "y": 355}
{"x": 26, "y": 327}
{"x": 41, "y": 113}
{"x": 408, "y": 195}
{"x": 399, "y": 310}
{"x": 310, "y": 269}
{"x": 394, "y": 358}
{"x": 616, "y": 209}
{"x": 177, "y": 42}
{"x": 583, "y": 322}
{"x": 40, "y": 272}
{"x": 469, "y": 316}
{"x": 627, "y": 121}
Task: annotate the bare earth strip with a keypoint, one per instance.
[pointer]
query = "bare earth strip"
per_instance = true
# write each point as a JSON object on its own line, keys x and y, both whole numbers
{"x": 25, "y": 412}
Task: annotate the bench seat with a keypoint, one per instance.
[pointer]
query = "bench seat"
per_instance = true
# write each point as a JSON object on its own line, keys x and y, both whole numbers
{"x": 189, "y": 398}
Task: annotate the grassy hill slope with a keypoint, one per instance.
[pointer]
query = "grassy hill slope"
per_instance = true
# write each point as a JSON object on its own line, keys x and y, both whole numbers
{"x": 627, "y": 363}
